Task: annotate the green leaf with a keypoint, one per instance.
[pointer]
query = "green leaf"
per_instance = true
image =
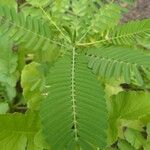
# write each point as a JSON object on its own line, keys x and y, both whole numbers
{"x": 3, "y": 94}
{"x": 27, "y": 29}
{"x": 106, "y": 18}
{"x": 131, "y": 105}
{"x": 40, "y": 142}
{"x": 38, "y": 3}
{"x": 134, "y": 137}
{"x": 18, "y": 131}
{"x": 124, "y": 145}
{"x": 127, "y": 106}
{"x": 32, "y": 82}
{"x": 117, "y": 62}
{"x": 3, "y": 107}
{"x": 33, "y": 11}
{"x": 144, "y": 42}
{"x": 126, "y": 34}
{"x": 76, "y": 99}
{"x": 8, "y": 68}
{"x": 148, "y": 131}
{"x": 9, "y": 3}
{"x": 147, "y": 144}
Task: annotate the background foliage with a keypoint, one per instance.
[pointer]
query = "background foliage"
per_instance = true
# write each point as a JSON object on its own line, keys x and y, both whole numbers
{"x": 73, "y": 76}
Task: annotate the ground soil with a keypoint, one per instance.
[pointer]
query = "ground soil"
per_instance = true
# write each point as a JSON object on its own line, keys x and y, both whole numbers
{"x": 140, "y": 10}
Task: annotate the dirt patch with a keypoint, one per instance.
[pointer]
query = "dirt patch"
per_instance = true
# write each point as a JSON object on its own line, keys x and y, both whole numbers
{"x": 140, "y": 10}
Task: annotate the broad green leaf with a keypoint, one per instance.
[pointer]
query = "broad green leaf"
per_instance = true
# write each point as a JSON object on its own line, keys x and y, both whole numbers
{"x": 18, "y": 131}
{"x": 3, "y": 107}
{"x": 124, "y": 145}
{"x": 3, "y": 94}
{"x": 134, "y": 137}
{"x": 145, "y": 119}
{"x": 40, "y": 142}
{"x": 130, "y": 105}
{"x": 10, "y": 3}
{"x": 147, "y": 144}
{"x": 8, "y": 67}
{"x": 112, "y": 88}
{"x": 48, "y": 56}
{"x": 127, "y": 106}
{"x": 148, "y": 131}
{"x": 32, "y": 82}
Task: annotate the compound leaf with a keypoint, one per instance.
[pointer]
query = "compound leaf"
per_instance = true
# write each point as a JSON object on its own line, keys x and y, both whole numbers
{"x": 77, "y": 101}
{"x": 117, "y": 62}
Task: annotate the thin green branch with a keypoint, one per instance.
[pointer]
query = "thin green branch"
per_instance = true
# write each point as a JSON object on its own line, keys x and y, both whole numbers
{"x": 108, "y": 39}
{"x": 84, "y": 35}
{"x": 50, "y": 19}
{"x": 90, "y": 43}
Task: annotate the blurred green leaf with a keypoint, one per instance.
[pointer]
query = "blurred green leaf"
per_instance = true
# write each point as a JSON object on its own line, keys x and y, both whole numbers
{"x": 147, "y": 144}
{"x": 127, "y": 106}
{"x": 40, "y": 142}
{"x": 8, "y": 67}
{"x": 124, "y": 145}
{"x": 38, "y": 2}
{"x": 10, "y": 3}
{"x": 32, "y": 82}
{"x": 3, "y": 107}
{"x": 134, "y": 137}
{"x": 18, "y": 131}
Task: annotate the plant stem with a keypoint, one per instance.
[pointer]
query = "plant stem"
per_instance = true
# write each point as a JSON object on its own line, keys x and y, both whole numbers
{"x": 50, "y": 19}
{"x": 110, "y": 38}
{"x": 90, "y": 43}
{"x": 73, "y": 94}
